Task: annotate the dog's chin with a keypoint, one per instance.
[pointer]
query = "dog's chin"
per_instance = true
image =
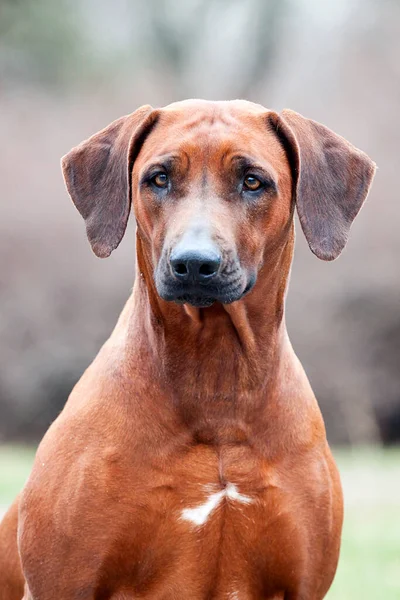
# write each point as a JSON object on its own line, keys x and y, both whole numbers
{"x": 203, "y": 299}
{"x": 197, "y": 301}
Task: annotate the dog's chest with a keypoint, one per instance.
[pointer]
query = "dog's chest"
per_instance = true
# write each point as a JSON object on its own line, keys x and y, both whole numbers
{"x": 207, "y": 521}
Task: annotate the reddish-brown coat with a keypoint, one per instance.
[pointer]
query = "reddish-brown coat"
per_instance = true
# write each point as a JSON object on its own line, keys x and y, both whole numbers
{"x": 181, "y": 401}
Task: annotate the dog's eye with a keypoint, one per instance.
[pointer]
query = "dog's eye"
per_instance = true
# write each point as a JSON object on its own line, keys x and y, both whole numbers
{"x": 160, "y": 180}
{"x": 252, "y": 183}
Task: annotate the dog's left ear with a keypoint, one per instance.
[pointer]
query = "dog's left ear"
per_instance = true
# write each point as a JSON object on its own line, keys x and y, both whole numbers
{"x": 98, "y": 172}
{"x": 331, "y": 179}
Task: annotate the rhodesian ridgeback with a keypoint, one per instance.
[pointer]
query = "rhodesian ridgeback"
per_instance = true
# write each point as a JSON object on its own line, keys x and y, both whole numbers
{"x": 191, "y": 460}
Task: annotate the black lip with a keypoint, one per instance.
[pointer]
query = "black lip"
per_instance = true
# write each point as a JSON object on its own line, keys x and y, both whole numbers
{"x": 197, "y": 301}
{"x": 201, "y": 296}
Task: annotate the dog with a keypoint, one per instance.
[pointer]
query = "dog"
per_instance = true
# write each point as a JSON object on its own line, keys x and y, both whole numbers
{"x": 191, "y": 460}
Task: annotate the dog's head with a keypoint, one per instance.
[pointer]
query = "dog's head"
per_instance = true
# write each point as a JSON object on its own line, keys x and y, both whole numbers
{"x": 214, "y": 185}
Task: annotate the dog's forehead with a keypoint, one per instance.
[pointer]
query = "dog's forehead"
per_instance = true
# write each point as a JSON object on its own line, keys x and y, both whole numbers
{"x": 200, "y": 126}
{"x": 202, "y": 113}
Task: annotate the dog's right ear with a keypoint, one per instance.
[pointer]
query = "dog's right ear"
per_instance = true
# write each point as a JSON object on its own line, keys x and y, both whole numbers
{"x": 97, "y": 174}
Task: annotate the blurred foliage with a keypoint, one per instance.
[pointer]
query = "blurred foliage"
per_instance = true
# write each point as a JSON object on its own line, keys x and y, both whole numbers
{"x": 68, "y": 68}
{"x": 58, "y": 43}
{"x": 40, "y": 41}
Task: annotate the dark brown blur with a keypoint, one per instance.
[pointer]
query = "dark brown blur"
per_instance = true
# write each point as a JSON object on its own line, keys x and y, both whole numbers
{"x": 68, "y": 69}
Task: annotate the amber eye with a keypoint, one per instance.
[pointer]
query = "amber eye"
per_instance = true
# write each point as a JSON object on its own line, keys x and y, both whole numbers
{"x": 160, "y": 180}
{"x": 252, "y": 183}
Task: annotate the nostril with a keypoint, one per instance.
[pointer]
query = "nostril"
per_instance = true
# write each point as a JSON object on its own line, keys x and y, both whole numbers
{"x": 180, "y": 269}
{"x": 207, "y": 268}
{"x": 194, "y": 266}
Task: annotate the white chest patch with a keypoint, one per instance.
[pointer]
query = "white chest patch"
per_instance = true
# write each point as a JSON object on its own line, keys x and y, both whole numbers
{"x": 200, "y": 514}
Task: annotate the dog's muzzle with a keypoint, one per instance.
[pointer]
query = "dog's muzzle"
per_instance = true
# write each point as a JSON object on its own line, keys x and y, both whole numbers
{"x": 200, "y": 277}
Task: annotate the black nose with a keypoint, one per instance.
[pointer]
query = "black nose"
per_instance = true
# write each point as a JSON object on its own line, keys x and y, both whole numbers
{"x": 195, "y": 266}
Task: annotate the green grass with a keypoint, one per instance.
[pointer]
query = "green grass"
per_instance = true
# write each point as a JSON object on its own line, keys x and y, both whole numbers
{"x": 369, "y": 567}
{"x": 15, "y": 465}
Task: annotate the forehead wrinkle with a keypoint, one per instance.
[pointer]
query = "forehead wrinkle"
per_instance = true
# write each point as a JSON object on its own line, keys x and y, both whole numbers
{"x": 169, "y": 159}
{"x": 193, "y": 115}
{"x": 250, "y": 161}
{"x": 188, "y": 124}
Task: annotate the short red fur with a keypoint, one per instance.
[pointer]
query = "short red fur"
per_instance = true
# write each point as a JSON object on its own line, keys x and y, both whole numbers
{"x": 185, "y": 404}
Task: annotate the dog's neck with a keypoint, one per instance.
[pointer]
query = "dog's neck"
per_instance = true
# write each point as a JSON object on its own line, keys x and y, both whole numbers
{"x": 215, "y": 359}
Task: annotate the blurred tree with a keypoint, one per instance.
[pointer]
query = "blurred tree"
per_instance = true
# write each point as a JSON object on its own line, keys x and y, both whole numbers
{"x": 39, "y": 41}
{"x": 241, "y": 37}
{"x": 336, "y": 62}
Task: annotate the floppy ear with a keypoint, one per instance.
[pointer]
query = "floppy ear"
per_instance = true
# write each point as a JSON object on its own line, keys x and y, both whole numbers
{"x": 331, "y": 179}
{"x": 97, "y": 174}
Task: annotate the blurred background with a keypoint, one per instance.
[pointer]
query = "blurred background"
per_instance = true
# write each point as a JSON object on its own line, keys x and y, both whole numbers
{"x": 66, "y": 70}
